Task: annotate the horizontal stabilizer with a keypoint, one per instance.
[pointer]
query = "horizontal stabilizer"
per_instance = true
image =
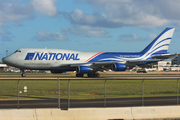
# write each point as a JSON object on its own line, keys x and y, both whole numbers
{"x": 169, "y": 57}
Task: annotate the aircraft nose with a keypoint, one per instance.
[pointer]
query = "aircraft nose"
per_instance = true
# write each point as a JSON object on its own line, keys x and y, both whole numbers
{"x": 6, "y": 60}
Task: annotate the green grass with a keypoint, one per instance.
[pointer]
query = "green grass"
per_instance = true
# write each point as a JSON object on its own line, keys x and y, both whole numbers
{"x": 73, "y": 75}
{"x": 37, "y": 75}
{"x": 86, "y": 89}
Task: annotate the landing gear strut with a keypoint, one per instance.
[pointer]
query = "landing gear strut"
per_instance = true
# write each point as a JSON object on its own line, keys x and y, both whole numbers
{"x": 23, "y": 73}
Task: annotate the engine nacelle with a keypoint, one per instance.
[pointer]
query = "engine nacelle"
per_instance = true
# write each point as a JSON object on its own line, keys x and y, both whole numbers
{"x": 57, "y": 71}
{"x": 83, "y": 69}
{"x": 119, "y": 67}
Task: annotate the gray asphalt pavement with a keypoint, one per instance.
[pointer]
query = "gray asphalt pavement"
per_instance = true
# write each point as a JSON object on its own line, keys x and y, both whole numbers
{"x": 114, "y": 102}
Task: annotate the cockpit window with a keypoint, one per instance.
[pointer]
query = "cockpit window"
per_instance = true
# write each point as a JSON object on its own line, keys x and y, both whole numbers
{"x": 17, "y": 51}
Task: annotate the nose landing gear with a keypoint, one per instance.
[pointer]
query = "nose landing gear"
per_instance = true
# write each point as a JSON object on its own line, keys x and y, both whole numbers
{"x": 23, "y": 73}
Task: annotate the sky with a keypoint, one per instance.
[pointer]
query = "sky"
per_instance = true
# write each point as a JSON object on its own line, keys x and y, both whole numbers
{"x": 86, "y": 25}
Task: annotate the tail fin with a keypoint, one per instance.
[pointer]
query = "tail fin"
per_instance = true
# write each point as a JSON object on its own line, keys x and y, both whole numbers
{"x": 161, "y": 43}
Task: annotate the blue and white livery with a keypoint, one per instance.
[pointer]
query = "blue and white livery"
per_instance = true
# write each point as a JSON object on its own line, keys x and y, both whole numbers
{"x": 58, "y": 60}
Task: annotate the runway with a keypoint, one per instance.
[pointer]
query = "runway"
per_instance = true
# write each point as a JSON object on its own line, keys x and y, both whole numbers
{"x": 114, "y": 102}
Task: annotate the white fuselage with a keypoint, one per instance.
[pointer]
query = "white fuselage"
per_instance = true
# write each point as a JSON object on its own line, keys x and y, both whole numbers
{"x": 46, "y": 58}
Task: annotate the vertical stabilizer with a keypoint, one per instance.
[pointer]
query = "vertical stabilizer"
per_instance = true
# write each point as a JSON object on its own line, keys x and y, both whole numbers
{"x": 161, "y": 43}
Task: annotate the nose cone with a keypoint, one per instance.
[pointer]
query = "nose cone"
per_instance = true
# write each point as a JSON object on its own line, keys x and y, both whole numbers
{"x": 9, "y": 60}
{"x": 6, "y": 60}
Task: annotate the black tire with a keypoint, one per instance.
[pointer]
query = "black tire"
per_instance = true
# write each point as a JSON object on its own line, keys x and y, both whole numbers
{"x": 81, "y": 75}
{"x": 23, "y": 75}
{"x": 93, "y": 75}
{"x": 97, "y": 75}
{"x": 90, "y": 75}
{"x": 77, "y": 75}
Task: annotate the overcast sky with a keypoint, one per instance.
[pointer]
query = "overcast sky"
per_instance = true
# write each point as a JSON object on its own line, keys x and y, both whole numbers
{"x": 86, "y": 25}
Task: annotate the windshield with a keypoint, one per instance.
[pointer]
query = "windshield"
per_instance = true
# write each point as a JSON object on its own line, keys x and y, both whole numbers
{"x": 17, "y": 51}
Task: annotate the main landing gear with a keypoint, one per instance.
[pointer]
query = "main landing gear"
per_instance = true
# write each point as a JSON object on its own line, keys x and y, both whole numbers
{"x": 89, "y": 75}
{"x": 93, "y": 75}
{"x": 23, "y": 73}
{"x": 79, "y": 75}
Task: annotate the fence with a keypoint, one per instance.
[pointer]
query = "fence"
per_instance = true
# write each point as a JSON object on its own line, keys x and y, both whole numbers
{"x": 67, "y": 93}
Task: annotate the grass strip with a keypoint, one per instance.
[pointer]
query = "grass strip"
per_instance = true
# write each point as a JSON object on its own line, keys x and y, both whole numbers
{"x": 86, "y": 89}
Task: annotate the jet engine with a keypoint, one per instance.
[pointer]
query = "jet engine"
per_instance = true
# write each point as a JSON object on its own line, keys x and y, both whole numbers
{"x": 83, "y": 69}
{"x": 119, "y": 67}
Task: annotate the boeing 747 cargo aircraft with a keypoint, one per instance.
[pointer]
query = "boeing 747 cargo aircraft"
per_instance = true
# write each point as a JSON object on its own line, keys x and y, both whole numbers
{"x": 59, "y": 61}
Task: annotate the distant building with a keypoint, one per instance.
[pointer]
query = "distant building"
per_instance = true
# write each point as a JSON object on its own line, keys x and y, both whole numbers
{"x": 168, "y": 66}
{"x": 2, "y": 67}
{"x": 164, "y": 63}
{"x": 176, "y": 60}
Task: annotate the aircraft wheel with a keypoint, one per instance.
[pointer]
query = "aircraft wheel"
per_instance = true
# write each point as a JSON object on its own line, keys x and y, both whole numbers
{"x": 81, "y": 75}
{"x": 90, "y": 75}
{"x": 93, "y": 75}
{"x": 77, "y": 75}
{"x": 23, "y": 75}
{"x": 97, "y": 75}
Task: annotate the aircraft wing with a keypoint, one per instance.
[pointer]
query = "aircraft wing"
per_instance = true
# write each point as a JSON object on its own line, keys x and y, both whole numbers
{"x": 100, "y": 66}
{"x": 87, "y": 64}
{"x": 107, "y": 65}
{"x": 104, "y": 64}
